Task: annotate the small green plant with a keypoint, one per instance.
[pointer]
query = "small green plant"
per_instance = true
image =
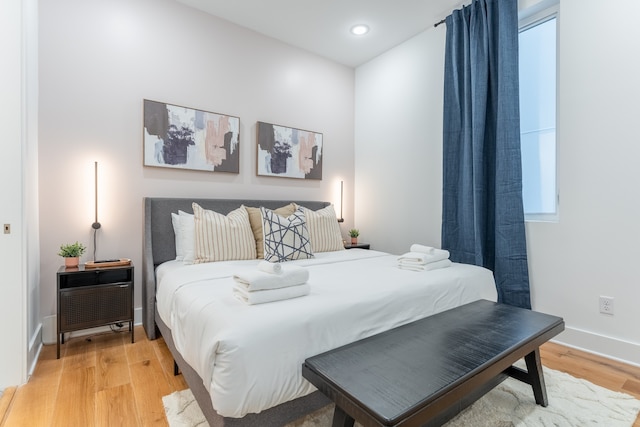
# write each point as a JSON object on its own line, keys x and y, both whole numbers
{"x": 354, "y": 232}
{"x": 72, "y": 250}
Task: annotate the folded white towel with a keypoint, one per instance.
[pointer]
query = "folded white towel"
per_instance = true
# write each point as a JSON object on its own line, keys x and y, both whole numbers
{"x": 261, "y": 297}
{"x": 422, "y": 258}
{"x": 270, "y": 267}
{"x": 411, "y": 267}
{"x": 413, "y": 257}
{"x": 255, "y": 280}
{"x": 428, "y": 250}
{"x": 425, "y": 267}
{"x": 421, "y": 248}
{"x": 438, "y": 264}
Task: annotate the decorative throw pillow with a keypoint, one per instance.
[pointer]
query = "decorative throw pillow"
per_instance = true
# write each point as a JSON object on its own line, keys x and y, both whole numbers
{"x": 175, "y": 222}
{"x": 285, "y": 239}
{"x": 187, "y": 236}
{"x": 324, "y": 230}
{"x": 222, "y": 238}
{"x": 255, "y": 218}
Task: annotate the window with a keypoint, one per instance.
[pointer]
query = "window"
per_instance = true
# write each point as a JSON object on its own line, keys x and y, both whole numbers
{"x": 537, "y": 46}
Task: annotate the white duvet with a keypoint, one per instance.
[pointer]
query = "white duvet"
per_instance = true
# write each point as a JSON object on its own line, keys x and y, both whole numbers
{"x": 250, "y": 357}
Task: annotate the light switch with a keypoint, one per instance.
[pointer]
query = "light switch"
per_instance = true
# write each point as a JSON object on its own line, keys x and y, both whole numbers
{"x": 7, "y": 229}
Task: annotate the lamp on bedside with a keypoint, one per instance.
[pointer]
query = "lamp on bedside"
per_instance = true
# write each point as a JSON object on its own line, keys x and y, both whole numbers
{"x": 341, "y": 219}
{"x": 96, "y": 224}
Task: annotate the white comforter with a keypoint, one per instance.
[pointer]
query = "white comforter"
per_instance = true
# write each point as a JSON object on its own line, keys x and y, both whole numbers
{"x": 250, "y": 357}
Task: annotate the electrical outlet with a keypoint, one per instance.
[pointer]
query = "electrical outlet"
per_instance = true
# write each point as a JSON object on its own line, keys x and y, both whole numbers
{"x": 606, "y": 305}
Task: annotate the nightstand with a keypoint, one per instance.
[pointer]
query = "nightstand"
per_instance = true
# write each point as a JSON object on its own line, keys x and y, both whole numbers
{"x": 90, "y": 297}
{"x": 357, "y": 246}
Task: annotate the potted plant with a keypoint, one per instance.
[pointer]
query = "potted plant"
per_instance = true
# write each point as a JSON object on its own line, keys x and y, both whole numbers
{"x": 354, "y": 233}
{"x": 71, "y": 253}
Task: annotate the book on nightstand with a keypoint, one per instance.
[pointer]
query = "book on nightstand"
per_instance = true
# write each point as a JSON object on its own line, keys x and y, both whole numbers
{"x": 121, "y": 262}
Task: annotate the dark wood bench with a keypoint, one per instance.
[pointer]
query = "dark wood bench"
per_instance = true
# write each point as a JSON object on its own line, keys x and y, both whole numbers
{"x": 426, "y": 372}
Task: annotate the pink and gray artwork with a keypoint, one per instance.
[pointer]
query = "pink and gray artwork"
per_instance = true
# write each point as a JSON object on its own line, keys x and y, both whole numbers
{"x": 180, "y": 137}
{"x": 289, "y": 152}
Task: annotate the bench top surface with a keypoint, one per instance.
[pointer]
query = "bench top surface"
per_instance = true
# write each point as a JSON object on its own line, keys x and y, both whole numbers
{"x": 394, "y": 372}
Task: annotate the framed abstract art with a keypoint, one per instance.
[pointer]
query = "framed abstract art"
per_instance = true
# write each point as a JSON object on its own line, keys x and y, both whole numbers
{"x": 288, "y": 152}
{"x": 185, "y": 138}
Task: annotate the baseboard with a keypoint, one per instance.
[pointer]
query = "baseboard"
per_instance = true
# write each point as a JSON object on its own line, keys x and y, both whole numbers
{"x": 611, "y": 348}
{"x": 137, "y": 316}
{"x": 35, "y": 345}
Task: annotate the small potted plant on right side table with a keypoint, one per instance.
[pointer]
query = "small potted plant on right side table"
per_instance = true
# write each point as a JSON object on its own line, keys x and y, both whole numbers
{"x": 354, "y": 233}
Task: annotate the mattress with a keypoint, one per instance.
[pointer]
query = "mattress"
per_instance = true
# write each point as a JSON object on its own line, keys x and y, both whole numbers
{"x": 249, "y": 356}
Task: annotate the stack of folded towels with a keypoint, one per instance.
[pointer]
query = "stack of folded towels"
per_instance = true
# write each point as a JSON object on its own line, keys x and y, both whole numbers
{"x": 271, "y": 282}
{"x": 420, "y": 258}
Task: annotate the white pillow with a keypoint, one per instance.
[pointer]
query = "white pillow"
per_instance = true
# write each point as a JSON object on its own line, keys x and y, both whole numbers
{"x": 222, "y": 237}
{"x": 187, "y": 237}
{"x": 324, "y": 230}
{"x": 175, "y": 221}
{"x": 285, "y": 239}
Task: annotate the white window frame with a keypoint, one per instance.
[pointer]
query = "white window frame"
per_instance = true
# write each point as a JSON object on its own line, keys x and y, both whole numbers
{"x": 539, "y": 13}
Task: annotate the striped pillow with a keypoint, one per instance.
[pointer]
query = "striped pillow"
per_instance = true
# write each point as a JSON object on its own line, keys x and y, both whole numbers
{"x": 222, "y": 238}
{"x": 324, "y": 230}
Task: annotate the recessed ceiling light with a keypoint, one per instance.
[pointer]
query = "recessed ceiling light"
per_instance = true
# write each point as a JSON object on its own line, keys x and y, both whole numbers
{"x": 359, "y": 29}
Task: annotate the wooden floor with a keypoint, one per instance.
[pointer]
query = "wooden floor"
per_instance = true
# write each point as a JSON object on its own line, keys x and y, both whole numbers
{"x": 108, "y": 381}
{"x": 103, "y": 382}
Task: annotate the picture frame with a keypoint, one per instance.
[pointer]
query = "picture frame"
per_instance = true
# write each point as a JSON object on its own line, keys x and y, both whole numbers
{"x": 288, "y": 152}
{"x": 185, "y": 138}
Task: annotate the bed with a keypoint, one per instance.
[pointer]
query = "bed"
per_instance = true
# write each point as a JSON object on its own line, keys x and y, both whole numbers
{"x": 245, "y": 361}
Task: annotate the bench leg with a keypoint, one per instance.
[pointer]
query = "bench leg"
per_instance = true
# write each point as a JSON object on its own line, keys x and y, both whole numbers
{"x": 534, "y": 368}
{"x": 341, "y": 418}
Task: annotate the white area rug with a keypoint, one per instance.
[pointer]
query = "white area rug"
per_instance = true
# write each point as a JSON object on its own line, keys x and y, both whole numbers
{"x": 572, "y": 402}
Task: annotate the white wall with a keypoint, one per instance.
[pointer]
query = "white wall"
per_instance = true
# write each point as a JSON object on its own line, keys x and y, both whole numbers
{"x": 30, "y": 186}
{"x": 592, "y": 251}
{"x": 100, "y": 59}
{"x": 398, "y": 145}
{"x": 18, "y": 198}
{"x": 12, "y": 247}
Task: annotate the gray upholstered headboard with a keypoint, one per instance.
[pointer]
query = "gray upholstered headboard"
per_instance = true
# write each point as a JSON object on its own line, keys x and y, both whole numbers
{"x": 159, "y": 239}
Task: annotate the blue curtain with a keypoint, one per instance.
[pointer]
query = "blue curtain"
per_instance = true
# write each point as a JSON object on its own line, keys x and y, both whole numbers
{"x": 482, "y": 212}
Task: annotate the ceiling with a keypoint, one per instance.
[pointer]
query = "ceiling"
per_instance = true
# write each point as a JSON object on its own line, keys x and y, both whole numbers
{"x": 322, "y": 26}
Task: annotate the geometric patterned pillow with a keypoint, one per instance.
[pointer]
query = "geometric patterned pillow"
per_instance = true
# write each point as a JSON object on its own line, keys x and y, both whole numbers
{"x": 285, "y": 239}
{"x": 222, "y": 237}
{"x": 324, "y": 230}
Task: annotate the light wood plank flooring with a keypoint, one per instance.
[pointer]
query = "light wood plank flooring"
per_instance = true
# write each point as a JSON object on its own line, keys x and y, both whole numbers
{"x": 108, "y": 381}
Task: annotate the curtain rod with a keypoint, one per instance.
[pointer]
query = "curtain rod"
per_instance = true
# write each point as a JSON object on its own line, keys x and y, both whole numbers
{"x": 439, "y": 22}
